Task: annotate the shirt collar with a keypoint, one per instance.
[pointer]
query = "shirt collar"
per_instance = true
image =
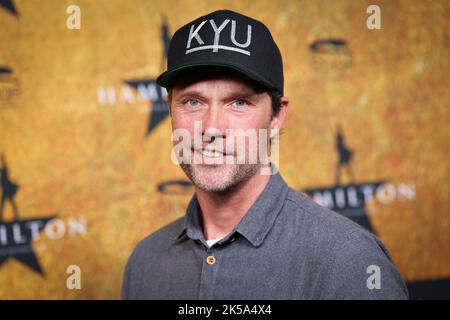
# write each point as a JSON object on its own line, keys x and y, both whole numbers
{"x": 257, "y": 222}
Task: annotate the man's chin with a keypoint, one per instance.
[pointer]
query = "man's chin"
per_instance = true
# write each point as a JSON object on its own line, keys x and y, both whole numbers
{"x": 209, "y": 177}
{"x": 218, "y": 178}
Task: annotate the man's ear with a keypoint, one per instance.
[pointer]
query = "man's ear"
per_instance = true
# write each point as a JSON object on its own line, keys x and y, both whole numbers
{"x": 168, "y": 99}
{"x": 278, "y": 119}
{"x": 168, "y": 107}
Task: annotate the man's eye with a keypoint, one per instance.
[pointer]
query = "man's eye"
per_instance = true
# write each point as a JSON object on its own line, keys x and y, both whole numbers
{"x": 240, "y": 103}
{"x": 192, "y": 102}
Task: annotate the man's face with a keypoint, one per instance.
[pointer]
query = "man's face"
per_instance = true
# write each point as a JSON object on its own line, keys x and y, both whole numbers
{"x": 221, "y": 104}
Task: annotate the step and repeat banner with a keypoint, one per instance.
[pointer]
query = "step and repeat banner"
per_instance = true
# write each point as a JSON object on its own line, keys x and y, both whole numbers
{"x": 85, "y": 133}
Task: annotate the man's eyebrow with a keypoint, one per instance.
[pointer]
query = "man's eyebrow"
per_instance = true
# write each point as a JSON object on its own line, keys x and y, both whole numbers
{"x": 186, "y": 94}
{"x": 242, "y": 94}
{"x": 235, "y": 94}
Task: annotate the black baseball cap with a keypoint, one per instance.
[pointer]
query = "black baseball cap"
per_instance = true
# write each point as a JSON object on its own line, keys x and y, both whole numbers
{"x": 225, "y": 39}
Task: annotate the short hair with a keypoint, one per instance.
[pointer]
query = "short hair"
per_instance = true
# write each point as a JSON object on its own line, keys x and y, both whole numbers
{"x": 275, "y": 97}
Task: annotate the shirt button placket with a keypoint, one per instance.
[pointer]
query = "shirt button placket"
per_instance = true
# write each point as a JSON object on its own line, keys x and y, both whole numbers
{"x": 210, "y": 260}
{"x": 210, "y": 267}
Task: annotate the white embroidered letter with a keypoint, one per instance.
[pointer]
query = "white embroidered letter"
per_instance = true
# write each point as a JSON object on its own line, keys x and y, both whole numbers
{"x": 217, "y": 33}
{"x": 194, "y": 34}
{"x": 233, "y": 35}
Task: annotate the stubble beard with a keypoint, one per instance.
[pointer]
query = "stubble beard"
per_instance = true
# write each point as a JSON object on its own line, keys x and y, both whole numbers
{"x": 222, "y": 178}
{"x": 219, "y": 178}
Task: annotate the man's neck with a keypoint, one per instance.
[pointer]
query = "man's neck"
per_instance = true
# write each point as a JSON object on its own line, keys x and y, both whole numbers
{"x": 220, "y": 213}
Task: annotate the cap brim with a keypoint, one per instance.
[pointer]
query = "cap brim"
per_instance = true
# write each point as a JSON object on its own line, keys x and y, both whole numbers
{"x": 167, "y": 79}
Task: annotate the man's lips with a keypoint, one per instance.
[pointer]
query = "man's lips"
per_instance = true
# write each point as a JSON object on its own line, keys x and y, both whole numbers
{"x": 211, "y": 153}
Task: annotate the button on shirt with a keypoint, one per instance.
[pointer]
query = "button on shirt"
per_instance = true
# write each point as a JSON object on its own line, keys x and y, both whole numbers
{"x": 285, "y": 247}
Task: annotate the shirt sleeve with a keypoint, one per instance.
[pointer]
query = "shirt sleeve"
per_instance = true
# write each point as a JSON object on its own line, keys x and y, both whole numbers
{"x": 360, "y": 268}
{"x": 126, "y": 281}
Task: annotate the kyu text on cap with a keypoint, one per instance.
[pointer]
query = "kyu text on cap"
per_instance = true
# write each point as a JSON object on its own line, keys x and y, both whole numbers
{"x": 226, "y": 39}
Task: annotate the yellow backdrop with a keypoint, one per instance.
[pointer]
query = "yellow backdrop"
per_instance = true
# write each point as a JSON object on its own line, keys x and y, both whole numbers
{"x": 78, "y": 141}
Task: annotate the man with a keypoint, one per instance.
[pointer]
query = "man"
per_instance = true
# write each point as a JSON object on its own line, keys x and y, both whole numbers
{"x": 246, "y": 234}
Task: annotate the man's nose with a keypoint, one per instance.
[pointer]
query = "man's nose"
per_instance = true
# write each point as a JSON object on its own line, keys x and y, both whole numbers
{"x": 214, "y": 123}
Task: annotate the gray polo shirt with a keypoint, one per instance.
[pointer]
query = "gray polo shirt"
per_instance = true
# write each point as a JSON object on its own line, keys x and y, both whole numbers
{"x": 285, "y": 247}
